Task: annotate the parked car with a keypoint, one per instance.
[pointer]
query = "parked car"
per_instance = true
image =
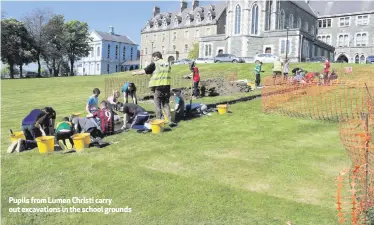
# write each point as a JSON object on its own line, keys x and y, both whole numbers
{"x": 317, "y": 59}
{"x": 266, "y": 58}
{"x": 370, "y": 59}
{"x": 228, "y": 58}
{"x": 204, "y": 60}
{"x": 31, "y": 75}
{"x": 182, "y": 61}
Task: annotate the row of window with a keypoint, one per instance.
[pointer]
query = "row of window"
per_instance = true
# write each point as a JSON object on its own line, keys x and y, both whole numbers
{"x": 343, "y": 40}
{"x": 116, "y": 51}
{"x": 283, "y": 22}
{"x": 163, "y": 49}
{"x": 344, "y": 21}
{"x": 208, "y": 31}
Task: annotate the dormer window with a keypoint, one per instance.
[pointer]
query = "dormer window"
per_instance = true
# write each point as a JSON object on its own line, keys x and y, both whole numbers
{"x": 198, "y": 18}
{"x": 210, "y": 17}
{"x": 164, "y": 23}
{"x": 176, "y": 22}
{"x": 188, "y": 20}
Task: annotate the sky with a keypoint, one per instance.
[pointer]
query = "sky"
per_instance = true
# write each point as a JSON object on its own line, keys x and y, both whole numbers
{"x": 127, "y": 17}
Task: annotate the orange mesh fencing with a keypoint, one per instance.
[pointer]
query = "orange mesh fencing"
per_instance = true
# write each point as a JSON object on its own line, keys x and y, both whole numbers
{"x": 340, "y": 99}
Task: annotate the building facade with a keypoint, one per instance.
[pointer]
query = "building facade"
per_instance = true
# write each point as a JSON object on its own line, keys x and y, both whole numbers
{"x": 110, "y": 53}
{"x": 271, "y": 26}
{"x": 347, "y": 25}
{"x": 174, "y": 34}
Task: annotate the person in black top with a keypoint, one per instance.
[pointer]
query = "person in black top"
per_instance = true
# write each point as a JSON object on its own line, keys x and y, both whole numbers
{"x": 134, "y": 114}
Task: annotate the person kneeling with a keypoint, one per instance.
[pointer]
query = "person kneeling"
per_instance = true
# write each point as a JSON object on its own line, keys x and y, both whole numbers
{"x": 64, "y": 131}
{"x": 105, "y": 117}
{"x": 88, "y": 125}
{"x": 134, "y": 115}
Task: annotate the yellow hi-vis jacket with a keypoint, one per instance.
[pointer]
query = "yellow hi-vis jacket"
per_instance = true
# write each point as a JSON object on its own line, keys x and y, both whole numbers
{"x": 161, "y": 75}
{"x": 277, "y": 66}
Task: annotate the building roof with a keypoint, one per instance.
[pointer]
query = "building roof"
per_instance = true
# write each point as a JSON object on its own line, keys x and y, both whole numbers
{"x": 115, "y": 37}
{"x": 204, "y": 12}
{"x": 305, "y": 6}
{"x": 325, "y": 8}
{"x": 131, "y": 63}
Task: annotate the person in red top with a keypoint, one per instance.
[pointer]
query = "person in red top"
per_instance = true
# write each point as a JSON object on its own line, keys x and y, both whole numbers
{"x": 326, "y": 70}
{"x": 309, "y": 77}
{"x": 104, "y": 117}
{"x": 196, "y": 80}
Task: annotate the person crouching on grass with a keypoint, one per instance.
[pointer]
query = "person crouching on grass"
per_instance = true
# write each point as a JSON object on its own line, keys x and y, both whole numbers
{"x": 129, "y": 89}
{"x": 134, "y": 115}
{"x": 93, "y": 101}
{"x": 105, "y": 117}
{"x": 64, "y": 131}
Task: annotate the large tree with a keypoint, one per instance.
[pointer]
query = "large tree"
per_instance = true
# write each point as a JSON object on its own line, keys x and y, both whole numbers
{"x": 194, "y": 52}
{"x": 54, "y": 52}
{"x": 16, "y": 44}
{"x": 35, "y": 23}
{"x": 76, "y": 38}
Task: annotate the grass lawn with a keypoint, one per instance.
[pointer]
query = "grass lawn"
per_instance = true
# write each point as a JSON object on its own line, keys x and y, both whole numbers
{"x": 242, "y": 168}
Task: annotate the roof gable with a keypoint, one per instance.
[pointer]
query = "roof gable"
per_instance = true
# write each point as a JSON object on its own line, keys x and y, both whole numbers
{"x": 114, "y": 37}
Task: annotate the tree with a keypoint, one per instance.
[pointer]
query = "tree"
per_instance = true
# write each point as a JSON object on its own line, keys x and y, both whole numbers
{"x": 15, "y": 44}
{"x": 194, "y": 52}
{"x": 35, "y": 23}
{"x": 76, "y": 38}
{"x": 54, "y": 40}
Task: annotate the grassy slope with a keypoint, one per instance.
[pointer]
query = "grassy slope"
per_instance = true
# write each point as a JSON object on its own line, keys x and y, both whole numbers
{"x": 243, "y": 168}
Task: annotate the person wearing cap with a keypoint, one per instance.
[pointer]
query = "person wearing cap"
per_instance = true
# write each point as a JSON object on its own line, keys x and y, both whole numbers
{"x": 160, "y": 84}
{"x": 93, "y": 101}
{"x": 36, "y": 124}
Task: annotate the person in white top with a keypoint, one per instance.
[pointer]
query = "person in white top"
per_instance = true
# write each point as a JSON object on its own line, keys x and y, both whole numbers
{"x": 286, "y": 67}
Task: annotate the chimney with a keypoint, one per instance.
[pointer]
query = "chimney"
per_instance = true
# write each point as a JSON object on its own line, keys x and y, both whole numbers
{"x": 195, "y": 4}
{"x": 111, "y": 30}
{"x": 183, "y": 5}
{"x": 156, "y": 11}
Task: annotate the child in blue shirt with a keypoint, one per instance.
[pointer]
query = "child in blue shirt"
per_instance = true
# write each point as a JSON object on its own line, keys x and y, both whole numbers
{"x": 93, "y": 101}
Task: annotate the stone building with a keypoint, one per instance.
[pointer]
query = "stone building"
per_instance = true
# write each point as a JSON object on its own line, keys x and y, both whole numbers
{"x": 255, "y": 27}
{"x": 347, "y": 25}
{"x": 174, "y": 34}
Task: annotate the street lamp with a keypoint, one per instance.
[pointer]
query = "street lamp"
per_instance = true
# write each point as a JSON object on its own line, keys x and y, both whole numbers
{"x": 287, "y": 43}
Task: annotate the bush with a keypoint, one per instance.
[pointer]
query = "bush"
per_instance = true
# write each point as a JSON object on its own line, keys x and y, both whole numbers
{"x": 370, "y": 216}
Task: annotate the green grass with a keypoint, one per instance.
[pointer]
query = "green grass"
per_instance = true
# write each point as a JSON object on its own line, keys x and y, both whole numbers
{"x": 242, "y": 168}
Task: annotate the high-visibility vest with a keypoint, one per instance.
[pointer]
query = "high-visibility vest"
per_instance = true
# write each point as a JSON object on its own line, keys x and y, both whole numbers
{"x": 161, "y": 75}
{"x": 277, "y": 66}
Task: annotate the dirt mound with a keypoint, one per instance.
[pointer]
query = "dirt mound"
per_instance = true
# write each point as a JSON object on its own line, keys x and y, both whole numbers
{"x": 220, "y": 86}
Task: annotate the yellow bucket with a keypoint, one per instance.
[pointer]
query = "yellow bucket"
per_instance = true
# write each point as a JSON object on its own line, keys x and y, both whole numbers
{"x": 80, "y": 141}
{"x": 87, "y": 139}
{"x": 222, "y": 109}
{"x": 17, "y": 135}
{"x": 45, "y": 144}
{"x": 157, "y": 126}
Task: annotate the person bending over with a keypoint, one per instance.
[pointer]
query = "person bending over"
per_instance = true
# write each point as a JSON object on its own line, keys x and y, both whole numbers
{"x": 105, "y": 117}
{"x": 134, "y": 115}
{"x": 64, "y": 131}
{"x": 129, "y": 89}
{"x": 88, "y": 125}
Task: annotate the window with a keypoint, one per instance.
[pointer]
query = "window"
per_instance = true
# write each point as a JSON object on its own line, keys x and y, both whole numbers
{"x": 283, "y": 46}
{"x": 107, "y": 68}
{"x": 323, "y": 23}
{"x": 282, "y": 21}
{"x": 328, "y": 39}
{"x": 208, "y": 50}
{"x": 346, "y": 40}
{"x": 237, "y": 19}
{"x": 312, "y": 30}
{"x": 97, "y": 66}
{"x": 254, "y": 27}
{"x": 174, "y": 36}
{"x": 163, "y": 49}
{"x": 268, "y": 14}
{"x": 164, "y": 24}
{"x": 198, "y": 18}
{"x": 155, "y": 37}
{"x": 116, "y": 68}
{"x": 146, "y": 51}
{"x": 362, "y": 20}
{"x": 124, "y": 53}
{"x": 361, "y": 39}
{"x": 290, "y": 21}
{"x": 131, "y": 53}
{"x": 357, "y": 59}
{"x": 163, "y": 37}
{"x": 344, "y": 21}
{"x": 343, "y": 40}
{"x": 188, "y": 20}
{"x": 186, "y": 34}
{"x": 185, "y": 48}
{"x": 176, "y": 22}
{"x": 208, "y": 31}
{"x": 197, "y": 33}
{"x": 98, "y": 52}
{"x": 108, "y": 51}
{"x": 116, "y": 51}
{"x": 299, "y": 23}
{"x": 306, "y": 49}
{"x": 306, "y": 26}
{"x": 362, "y": 59}
{"x": 174, "y": 48}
